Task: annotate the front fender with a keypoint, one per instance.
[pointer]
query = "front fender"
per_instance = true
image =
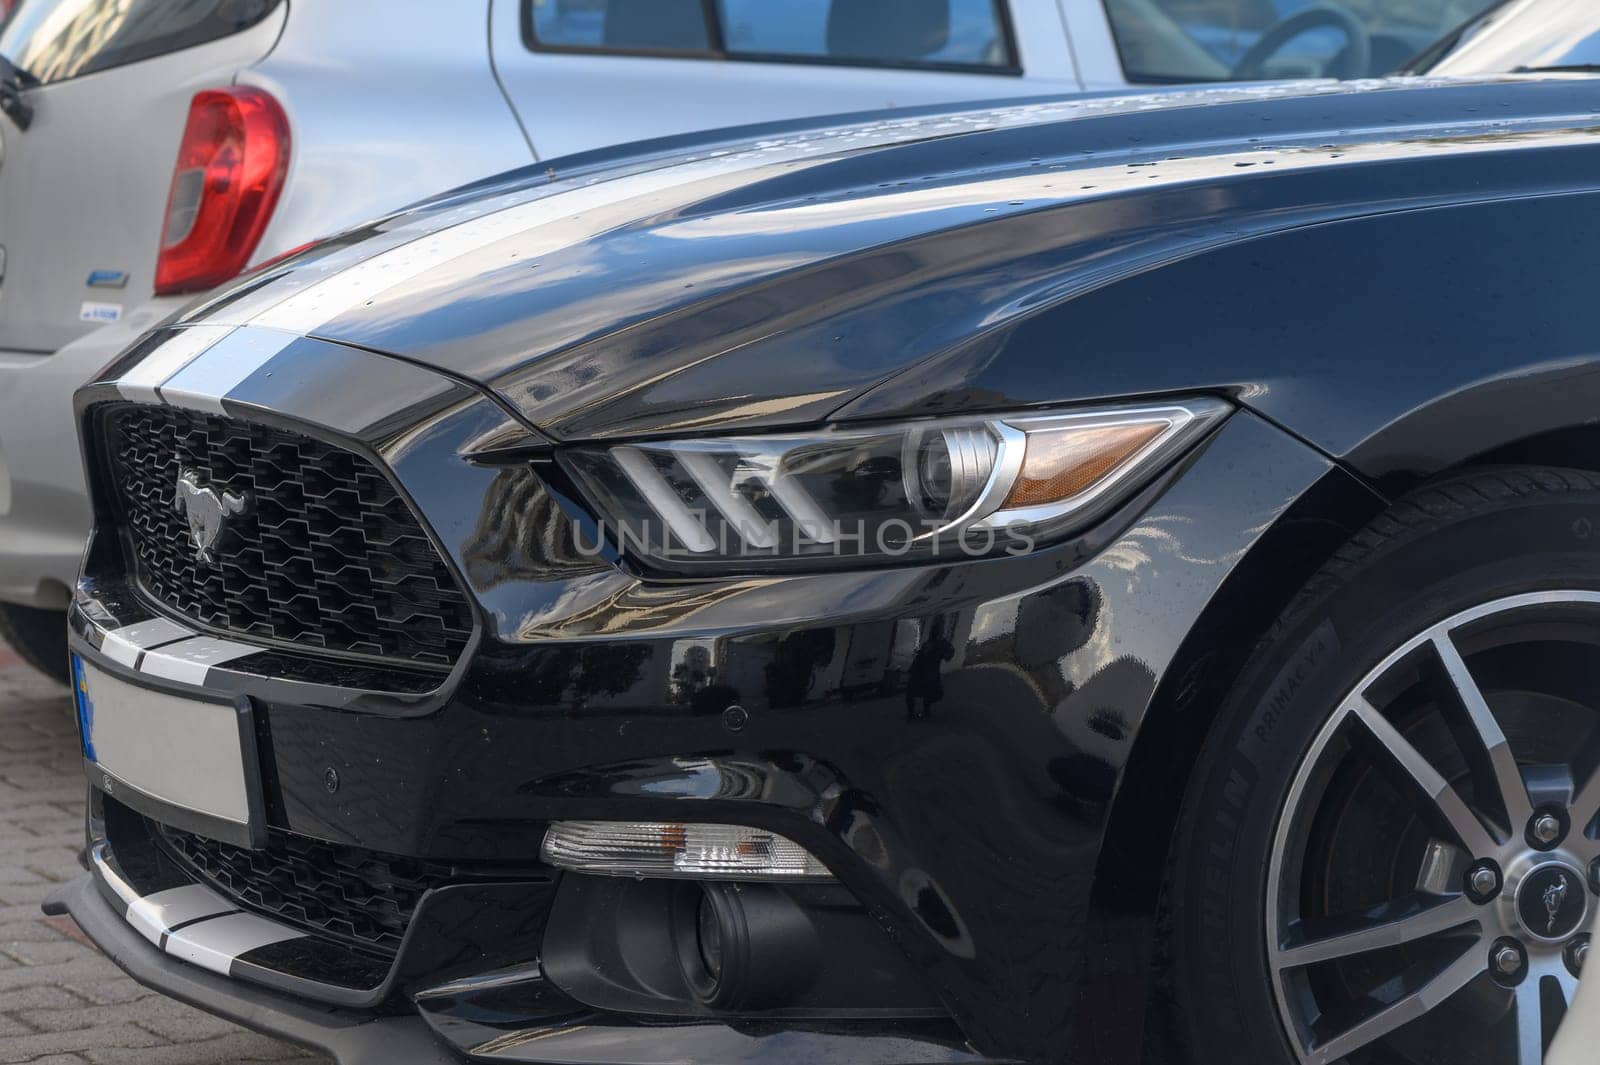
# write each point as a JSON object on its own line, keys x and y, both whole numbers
{"x": 1400, "y": 344}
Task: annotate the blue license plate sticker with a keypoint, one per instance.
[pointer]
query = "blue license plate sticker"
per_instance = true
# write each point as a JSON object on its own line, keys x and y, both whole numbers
{"x": 80, "y": 694}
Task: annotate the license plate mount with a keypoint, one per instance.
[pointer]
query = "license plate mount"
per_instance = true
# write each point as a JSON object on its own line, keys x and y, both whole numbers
{"x": 189, "y": 763}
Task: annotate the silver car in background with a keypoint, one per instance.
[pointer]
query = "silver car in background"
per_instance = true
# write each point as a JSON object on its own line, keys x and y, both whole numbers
{"x": 152, "y": 149}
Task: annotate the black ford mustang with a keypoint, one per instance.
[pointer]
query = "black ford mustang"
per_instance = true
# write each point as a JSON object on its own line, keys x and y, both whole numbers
{"x": 1088, "y": 581}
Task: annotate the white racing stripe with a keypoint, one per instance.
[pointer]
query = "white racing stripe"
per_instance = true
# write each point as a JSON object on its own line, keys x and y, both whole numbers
{"x": 183, "y": 347}
{"x": 203, "y": 382}
{"x": 202, "y": 364}
{"x": 188, "y": 662}
{"x": 310, "y": 308}
{"x": 303, "y": 309}
{"x": 300, "y": 309}
{"x": 127, "y": 644}
{"x": 242, "y": 308}
{"x": 192, "y": 922}
{"x": 216, "y": 943}
{"x": 154, "y": 916}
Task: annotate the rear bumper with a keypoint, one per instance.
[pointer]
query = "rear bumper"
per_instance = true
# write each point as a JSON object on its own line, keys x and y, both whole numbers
{"x": 44, "y": 507}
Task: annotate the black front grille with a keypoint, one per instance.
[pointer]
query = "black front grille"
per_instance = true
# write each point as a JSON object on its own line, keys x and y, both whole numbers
{"x": 325, "y": 553}
{"x": 360, "y": 897}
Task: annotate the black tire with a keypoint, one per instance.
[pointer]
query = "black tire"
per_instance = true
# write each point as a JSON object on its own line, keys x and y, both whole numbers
{"x": 39, "y": 636}
{"x": 1444, "y": 549}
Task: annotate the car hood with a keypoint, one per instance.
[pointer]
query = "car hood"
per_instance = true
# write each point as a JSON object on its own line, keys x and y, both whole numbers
{"x": 775, "y": 276}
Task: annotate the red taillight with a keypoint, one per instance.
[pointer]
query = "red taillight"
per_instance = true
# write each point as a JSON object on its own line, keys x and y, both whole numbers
{"x": 230, "y": 169}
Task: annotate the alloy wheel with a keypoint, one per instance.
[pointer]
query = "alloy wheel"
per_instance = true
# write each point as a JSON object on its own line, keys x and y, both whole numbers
{"x": 1435, "y": 875}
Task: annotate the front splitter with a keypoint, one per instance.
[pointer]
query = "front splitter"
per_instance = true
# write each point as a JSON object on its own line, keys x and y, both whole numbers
{"x": 349, "y": 1038}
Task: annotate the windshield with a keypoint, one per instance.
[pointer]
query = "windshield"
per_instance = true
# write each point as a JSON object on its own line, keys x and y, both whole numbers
{"x": 1520, "y": 35}
{"x": 52, "y": 40}
{"x": 1179, "y": 41}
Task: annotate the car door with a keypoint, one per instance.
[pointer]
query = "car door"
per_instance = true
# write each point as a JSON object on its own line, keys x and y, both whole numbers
{"x": 83, "y": 190}
{"x": 588, "y": 73}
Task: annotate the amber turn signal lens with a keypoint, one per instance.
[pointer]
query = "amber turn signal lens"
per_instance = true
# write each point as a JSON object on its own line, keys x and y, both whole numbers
{"x": 1061, "y": 463}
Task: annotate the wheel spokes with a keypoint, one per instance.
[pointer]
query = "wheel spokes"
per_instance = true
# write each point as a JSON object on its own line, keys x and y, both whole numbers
{"x": 1447, "y": 802}
{"x": 1585, "y": 807}
{"x": 1500, "y": 901}
{"x": 1403, "y": 1011}
{"x": 1391, "y": 924}
{"x": 1530, "y": 1010}
{"x": 1530, "y": 1024}
{"x": 1574, "y": 1041}
{"x": 1566, "y": 981}
{"x": 1484, "y": 733}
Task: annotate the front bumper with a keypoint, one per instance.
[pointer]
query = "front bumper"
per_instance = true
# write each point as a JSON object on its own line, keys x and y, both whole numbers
{"x": 968, "y": 819}
{"x": 363, "y": 1038}
{"x": 468, "y": 1019}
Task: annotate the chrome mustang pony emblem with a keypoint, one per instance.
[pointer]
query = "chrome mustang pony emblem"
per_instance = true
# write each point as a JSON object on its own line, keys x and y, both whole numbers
{"x": 207, "y": 512}
{"x": 1554, "y": 896}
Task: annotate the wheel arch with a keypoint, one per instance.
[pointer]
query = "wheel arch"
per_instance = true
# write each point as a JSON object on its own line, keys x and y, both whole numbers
{"x": 1131, "y": 868}
{"x": 1145, "y": 810}
{"x": 1530, "y": 413}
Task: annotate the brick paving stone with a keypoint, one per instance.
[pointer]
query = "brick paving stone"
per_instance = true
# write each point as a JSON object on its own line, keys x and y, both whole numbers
{"x": 235, "y": 1048}
{"x": 105, "y": 989}
{"x": 155, "y": 1014}
{"x": 26, "y": 894}
{"x": 87, "y": 970}
{"x": 39, "y": 997}
{"x": 24, "y": 1048}
{"x": 53, "y": 952}
{"x": 62, "y": 1002}
{"x": 16, "y": 931}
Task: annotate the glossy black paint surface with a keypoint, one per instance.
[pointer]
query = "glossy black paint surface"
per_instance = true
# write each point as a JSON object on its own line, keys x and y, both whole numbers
{"x": 1306, "y": 251}
{"x": 1388, "y": 282}
{"x": 967, "y": 833}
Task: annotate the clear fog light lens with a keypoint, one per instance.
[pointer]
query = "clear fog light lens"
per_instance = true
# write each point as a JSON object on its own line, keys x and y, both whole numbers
{"x": 671, "y": 850}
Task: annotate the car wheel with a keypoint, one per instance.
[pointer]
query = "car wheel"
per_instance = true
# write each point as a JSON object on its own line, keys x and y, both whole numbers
{"x": 1388, "y": 850}
{"x": 38, "y": 636}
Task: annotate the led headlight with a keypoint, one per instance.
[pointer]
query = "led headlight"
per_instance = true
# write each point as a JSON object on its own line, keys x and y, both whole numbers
{"x": 916, "y": 490}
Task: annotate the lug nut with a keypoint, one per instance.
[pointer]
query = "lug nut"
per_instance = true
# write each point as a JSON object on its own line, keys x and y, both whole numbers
{"x": 1507, "y": 961}
{"x": 1576, "y": 955}
{"x": 1546, "y": 829}
{"x": 1484, "y": 883}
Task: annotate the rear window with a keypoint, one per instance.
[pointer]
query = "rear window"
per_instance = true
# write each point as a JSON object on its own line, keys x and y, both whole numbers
{"x": 53, "y": 40}
{"x": 930, "y": 34}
